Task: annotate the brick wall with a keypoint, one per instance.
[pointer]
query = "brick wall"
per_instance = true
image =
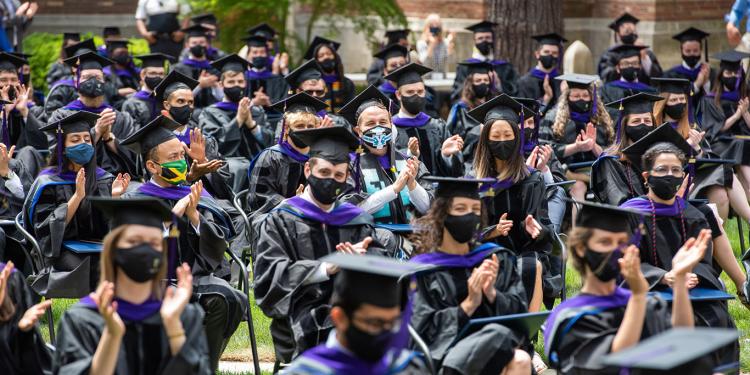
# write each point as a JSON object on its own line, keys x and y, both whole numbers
{"x": 649, "y": 10}
{"x": 446, "y": 8}
{"x": 87, "y": 6}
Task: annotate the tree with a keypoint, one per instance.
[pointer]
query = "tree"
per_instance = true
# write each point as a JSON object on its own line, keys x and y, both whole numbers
{"x": 517, "y": 21}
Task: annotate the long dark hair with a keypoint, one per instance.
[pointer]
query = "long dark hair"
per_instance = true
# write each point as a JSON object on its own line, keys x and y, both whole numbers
{"x": 469, "y": 97}
{"x": 484, "y": 162}
{"x": 718, "y": 86}
{"x": 428, "y": 229}
{"x": 336, "y": 57}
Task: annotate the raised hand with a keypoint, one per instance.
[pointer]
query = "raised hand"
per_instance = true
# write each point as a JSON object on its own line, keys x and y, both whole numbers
{"x": 32, "y": 315}
{"x": 5, "y": 157}
{"x": 198, "y": 170}
{"x": 548, "y": 93}
{"x": 176, "y": 298}
{"x": 243, "y": 112}
{"x": 591, "y": 131}
{"x": 300, "y": 189}
{"x": 327, "y": 122}
{"x": 22, "y": 99}
{"x": 197, "y": 148}
{"x": 104, "y": 123}
{"x": 413, "y": 146}
{"x": 260, "y": 98}
{"x": 630, "y": 269}
{"x": 4, "y": 276}
{"x": 490, "y": 268}
{"x": 103, "y": 297}
{"x": 474, "y": 285}
{"x": 80, "y": 191}
{"x": 412, "y": 166}
{"x": 694, "y": 138}
{"x": 359, "y": 248}
{"x": 504, "y": 226}
{"x": 207, "y": 80}
{"x": 691, "y": 253}
{"x": 452, "y": 145}
{"x": 532, "y": 227}
{"x": 120, "y": 184}
{"x": 191, "y": 210}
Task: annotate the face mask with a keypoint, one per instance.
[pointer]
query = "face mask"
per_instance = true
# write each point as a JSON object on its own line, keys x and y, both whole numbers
{"x": 729, "y": 83}
{"x": 91, "y": 88}
{"x": 140, "y": 263}
{"x": 580, "y": 106}
{"x": 481, "y": 90}
{"x": 367, "y": 346}
{"x": 462, "y": 228}
{"x": 174, "y": 172}
{"x": 152, "y": 82}
{"x": 377, "y": 137}
{"x": 122, "y": 59}
{"x": 691, "y": 61}
{"x": 328, "y": 65}
{"x": 260, "y": 62}
{"x": 198, "y": 51}
{"x": 181, "y": 114}
{"x": 629, "y": 74}
{"x": 548, "y": 61}
{"x": 604, "y": 265}
{"x": 292, "y": 142}
{"x": 12, "y": 94}
{"x": 637, "y": 132}
{"x": 325, "y": 190}
{"x": 413, "y": 104}
{"x": 435, "y": 30}
{"x": 80, "y": 154}
{"x": 674, "y": 111}
{"x": 502, "y": 149}
{"x": 234, "y": 94}
{"x": 26, "y": 78}
{"x": 629, "y": 39}
{"x": 665, "y": 187}
{"x": 528, "y": 134}
{"x": 484, "y": 47}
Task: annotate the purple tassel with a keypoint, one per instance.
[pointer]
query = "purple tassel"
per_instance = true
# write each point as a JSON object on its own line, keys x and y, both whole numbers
{"x": 520, "y": 133}
{"x": 6, "y": 136}
{"x": 691, "y": 174}
{"x": 283, "y": 126}
{"x": 617, "y": 129}
{"x": 78, "y": 74}
{"x": 594, "y": 104}
{"x": 59, "y": 147}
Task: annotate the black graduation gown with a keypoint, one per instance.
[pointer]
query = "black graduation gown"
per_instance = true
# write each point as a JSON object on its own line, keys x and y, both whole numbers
{"x": 144, "y": 349}
{"x": 204, "y": 97}
{"x": 26, "y": 133}
{"x": 27, "y": 162}
{"x": 712, "y": 118}
{"x": 678, "y": 71}
{"x": 218, "y": 183}
{"x": 611, "y": 93}
{"x": 438, "y": 316}
{"x": 22, "y": 353}
{"x": 57, "y": 71}
{"x": 122, "y": 80}
{"x": 346, "y": 92}
{"x": 459, "y": 122}
{"x": 276, "y": 87}
{"x": 273, "y": 177}
{"x": 63, "y": 93}
{"x": 287, "y": 250}
{"x": 532, "y": 87}
{"x": 431, "y": 136}
{"x": 139, "y": 110}
{"x": 609, "y": 60}
{"x": 614, "y": 182}
{"x": 375, "y": 72}
{"x": 505, "y": 72}
{"x": 570, "y": 132}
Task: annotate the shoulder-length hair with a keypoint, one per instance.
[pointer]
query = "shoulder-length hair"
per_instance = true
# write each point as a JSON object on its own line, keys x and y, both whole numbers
{"x": 469, "y": 97}
{"x": 683, "y": 123}
{"x": 600, "y": 119}
{"x": 107, "y": 270}
{"x": 484, "y": 162}
{"x": 428, "y": 229}
{"x": 625, "y": 141}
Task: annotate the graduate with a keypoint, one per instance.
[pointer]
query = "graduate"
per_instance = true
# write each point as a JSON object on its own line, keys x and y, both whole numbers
{"x": 204, "y": 231}
{"x": 277, "y": 172}
{"x": 131, "y": 324}
{"x": 59, "y": 70}
{"x": 701, "y": 75}
{"x": 264, "y": 86}
{"x": 628, "y": 64}
{"x": 477, "y": 89}
{"x": 484, "y": 41}
{"x": 277, "y": 62}
{"x": 606, "y": 318}
{"x": 197, "y": 66}
{"x": 388, "y": 184}
{"x": 210, "y": 23}
{"x": 23, "y": 123}
{"x": 238, "y": 126}
{"x": 579, "y": 128}
{"x": 292, "y": 286}
{"x": 142, "y": 106}
{"x": 540, "y": 83}
{"x": 57, "y": 210}
{"x": 123, "y": 75}
{"x": 108, "y": 32}
{"x": 112, "y": 125}
{"x": 672, "y": 222}
{"x": 470, "y": 282}
{"x": 308, "y": 78}
{"x": 370, "y": 314}
{"x": 391, "y": 57}
{"x": 416, "y": 130}
{"x": 22, "y": 348}
{"x": 341, "y": 90}
{"x": 515, "y": 202}
{"x": 625, "y": 33}
{"x": 378, "y": 66}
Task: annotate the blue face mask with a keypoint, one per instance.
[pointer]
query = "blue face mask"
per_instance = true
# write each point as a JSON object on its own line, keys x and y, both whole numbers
{"x": 80, "y": 154}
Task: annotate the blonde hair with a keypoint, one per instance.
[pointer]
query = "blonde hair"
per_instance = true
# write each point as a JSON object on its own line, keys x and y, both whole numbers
{"x": 107, "y": 264}
{"x": 683, "y": 124}
{"x": 432, "y": 17}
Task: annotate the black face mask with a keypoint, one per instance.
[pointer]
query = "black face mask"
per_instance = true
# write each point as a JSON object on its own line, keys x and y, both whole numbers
{"x": 502, "y": 149}
{"x": 198, "y": 51}
{"x": 665, "y": 187}
{"x": 691, "y": 61}
{"x": 629, "y": 74}
{"x": 325, "y": 190}
{"x": 481, "y": 90}
{"x": 152, "y": 82}
{"x": 260, "y": 62}
{"x": 413, "y": 104}
{"x": 604, "y": 265}
{"x": 234, "y": 94}
{"x": 328, "y": 65}
{"x": 122, "y": 59}
{"x": 629, "y": 39}
{"x": 140, "y": 263}
{"x": 729, "y": 83}
{"x": 181, "y": 114}
{"x": 91, "y": 88}
{"x": 462, "y": 228}
{"x": 291, "y": 141}
{"x": 435, "y": 30}
{"x": 12, "y": 94}
{"x": 580, "y": 106}
{"x": 484, "y": 47}
{"x": 26, "y": 78}
{"x": 528, "y": 134}
{"x": 548, "y": 61}
{"x": 637, "y": 132}
{"x": 674, "y": 111}
{"x": 367, "y": 346}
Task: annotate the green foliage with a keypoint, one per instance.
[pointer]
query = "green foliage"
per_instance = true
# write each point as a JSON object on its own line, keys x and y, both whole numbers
{"x": 45, "y": 49}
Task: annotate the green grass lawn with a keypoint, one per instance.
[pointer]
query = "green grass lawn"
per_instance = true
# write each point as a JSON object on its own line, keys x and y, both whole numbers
{"x": 238, "y": 348}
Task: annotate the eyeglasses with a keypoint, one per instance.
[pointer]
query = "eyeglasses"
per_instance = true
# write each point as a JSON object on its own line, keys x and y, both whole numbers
{"x": 663, "y": 171}
{"x": 316, "y": 93}
{"x": 380, "y": 325}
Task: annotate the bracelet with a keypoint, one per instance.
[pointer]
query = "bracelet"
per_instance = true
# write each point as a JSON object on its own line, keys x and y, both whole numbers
{"x": 176, "y": 335}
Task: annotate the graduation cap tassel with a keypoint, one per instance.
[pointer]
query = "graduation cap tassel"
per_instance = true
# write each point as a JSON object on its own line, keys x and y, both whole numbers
{"x": 392, "y": 151}
{"x": 617, "y": 129}
{"x": 6, "y": 136}
{"x": 521, "y": 126}
{"x": 595, "y": 103}
{"x": 691, "y": 174}
{"x": 59, "y": 147}
{"x": 705, "y": 49}
{"x": 174, "y": 235}
{"x": 78, "y": 74}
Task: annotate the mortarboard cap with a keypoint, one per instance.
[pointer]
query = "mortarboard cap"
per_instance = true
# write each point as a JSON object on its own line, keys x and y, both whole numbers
{"x": 691, "y": 33}
{"x": 731, "y": 59}
{"x": 393, "y": 36}
{"x": 305, "y": 72}
{"x": 367, "y": 98}
{"x": 11, "y": 62}
{"x": 150, "y": 212}
{"x": 481, "y": 67}
{"x": 195, "y": 30}
{"x": 605, "y": 217}
{"x": 624, "y": 51}
{"x": 676, "y": 351}
{"x": 663, "y": 133}
{"x": 109, "y": 31}
{"x": 532, "y": 105}
{"x": 578, "y": 81}
{"x": 154, "y": 60}
{"x": 318, "y": 40}
{"x": 450, "y": 187}
{"x": 300, "y": 102}
{"x": 409, "y": 73}
{"x": 113, "y": 44}
{"x": 71, "y": 36}
{"x": 171, "y": 83}
{"x": 393, "y": 50}
{"x": 88, "y": 60}
{"x": 230, "y": 63}
{"x": 672, "y": 85}
{"x": 482, "y": 27}
{"x": 554, "y": 39}
{"x": 263, "y": 29}
{"x": 156, "y": 132}
{"x": 624, "y": 18}
{"x": 80, "y": 47}
{"x": 80, "y": 121}
{"x": 332, "y": 143}
{"x": 639, "y": 103}
{"x": 23, "y": 56}
{"x": 200, "y": 19}
{"x": 255, "y": 40}
{"x": 501, "y": 107}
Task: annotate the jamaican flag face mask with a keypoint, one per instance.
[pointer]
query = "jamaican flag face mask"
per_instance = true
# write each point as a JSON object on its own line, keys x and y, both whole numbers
{"x": 174, "y": 172}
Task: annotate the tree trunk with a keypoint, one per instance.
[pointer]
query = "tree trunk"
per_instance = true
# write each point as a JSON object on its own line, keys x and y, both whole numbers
{"x": 517, "y": 21}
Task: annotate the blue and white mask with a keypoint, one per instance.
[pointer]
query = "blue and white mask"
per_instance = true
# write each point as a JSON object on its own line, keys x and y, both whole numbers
{"x": 378, "y": 137}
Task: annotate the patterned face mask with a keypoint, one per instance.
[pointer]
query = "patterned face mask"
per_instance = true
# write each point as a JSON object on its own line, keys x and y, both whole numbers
{"x": 377, "y": 137}
{"x": 174, "y": 172}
